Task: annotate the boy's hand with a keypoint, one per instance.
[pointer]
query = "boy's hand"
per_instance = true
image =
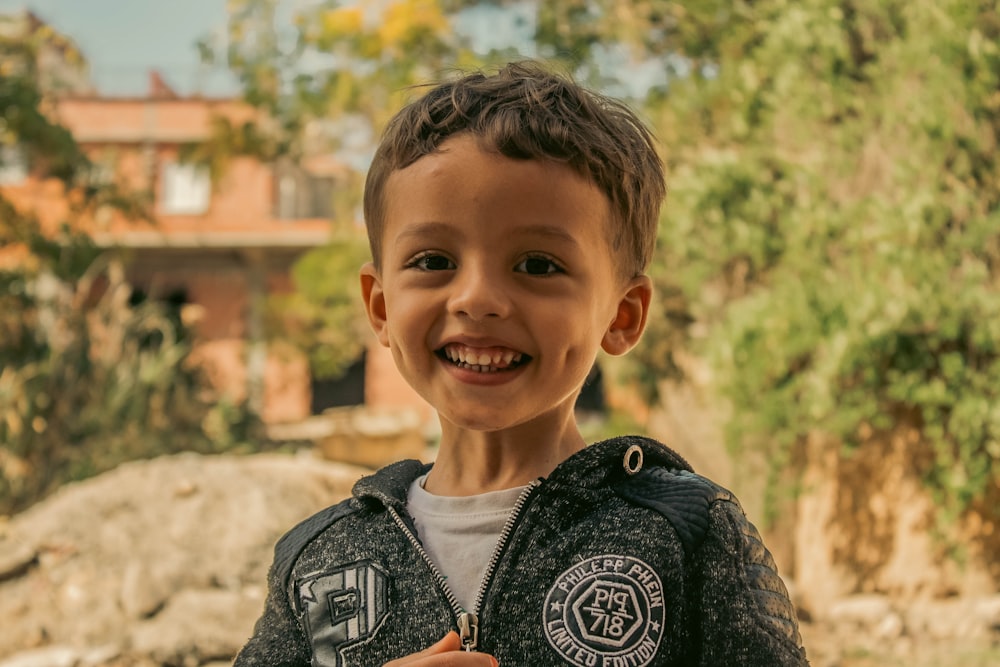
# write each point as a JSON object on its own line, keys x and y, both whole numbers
{"x": 446, "y": 653}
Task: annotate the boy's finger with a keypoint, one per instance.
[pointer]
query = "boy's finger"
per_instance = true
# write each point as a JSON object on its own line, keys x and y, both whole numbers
{"x": 450, "y": 642}
{"x": 447, "y": 651}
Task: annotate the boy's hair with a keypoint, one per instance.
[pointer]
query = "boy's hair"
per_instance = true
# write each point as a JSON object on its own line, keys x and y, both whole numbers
{"x": 528, "y": 113}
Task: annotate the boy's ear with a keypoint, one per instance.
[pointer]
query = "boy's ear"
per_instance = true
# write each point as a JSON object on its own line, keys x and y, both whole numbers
{"x": 374, "y": 297}
{"x": 626, "y": 328}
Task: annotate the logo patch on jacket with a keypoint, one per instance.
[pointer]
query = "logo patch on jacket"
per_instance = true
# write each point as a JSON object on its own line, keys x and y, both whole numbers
{"x": 606, "y": 611}
{"x": 343, "y": 607}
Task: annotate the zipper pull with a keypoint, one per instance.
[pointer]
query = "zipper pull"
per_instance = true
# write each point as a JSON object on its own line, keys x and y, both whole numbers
{"x": 468, "y": 630}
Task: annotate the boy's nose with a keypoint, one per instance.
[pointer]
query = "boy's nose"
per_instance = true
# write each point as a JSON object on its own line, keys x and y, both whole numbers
{"x": 478, "y": 296}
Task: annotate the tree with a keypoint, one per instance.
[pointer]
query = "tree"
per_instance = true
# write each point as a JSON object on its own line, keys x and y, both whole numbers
{"x": 833, "y": 224}
{"x": 324, "y": 316}
{"x": 87, "y": 379}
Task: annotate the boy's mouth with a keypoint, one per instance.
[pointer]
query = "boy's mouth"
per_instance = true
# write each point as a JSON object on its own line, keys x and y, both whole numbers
{"x": 482, "y": 359}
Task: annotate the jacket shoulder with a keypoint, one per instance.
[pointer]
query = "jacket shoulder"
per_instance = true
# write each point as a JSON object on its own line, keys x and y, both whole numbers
{"x": 682, "y": 497}
{"x": 292, "y": 543}
{"x": 696, "y": 506}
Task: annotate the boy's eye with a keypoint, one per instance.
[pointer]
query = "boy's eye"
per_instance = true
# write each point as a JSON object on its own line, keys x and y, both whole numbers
{"x": 537, "y": 266}
{"x": 432, "y": 262}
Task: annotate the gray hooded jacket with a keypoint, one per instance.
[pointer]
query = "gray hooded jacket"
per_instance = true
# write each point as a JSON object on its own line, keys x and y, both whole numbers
{"x": 622, "y": 557}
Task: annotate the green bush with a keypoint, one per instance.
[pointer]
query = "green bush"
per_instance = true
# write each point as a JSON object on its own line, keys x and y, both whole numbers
{"x": 86, "y": 379}
{"x": 89, "y": 381}
{"x": 833, "y": 226}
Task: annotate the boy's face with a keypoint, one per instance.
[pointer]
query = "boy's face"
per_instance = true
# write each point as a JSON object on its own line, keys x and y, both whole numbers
{"x": 498, "y": 285}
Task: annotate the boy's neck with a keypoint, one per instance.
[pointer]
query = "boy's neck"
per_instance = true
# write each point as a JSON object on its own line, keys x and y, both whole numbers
{"x": 474, "y": 462}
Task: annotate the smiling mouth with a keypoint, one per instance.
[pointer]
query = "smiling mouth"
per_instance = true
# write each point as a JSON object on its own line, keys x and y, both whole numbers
{"x": 482, "y": 360}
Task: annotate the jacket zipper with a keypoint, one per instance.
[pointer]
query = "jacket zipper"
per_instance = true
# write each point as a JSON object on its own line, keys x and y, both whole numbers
{"x": 468, "y": 622}
{"x": 508, "y": 530}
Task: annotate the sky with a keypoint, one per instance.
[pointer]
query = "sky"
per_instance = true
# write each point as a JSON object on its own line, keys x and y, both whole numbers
{"x": 124, "y": 39}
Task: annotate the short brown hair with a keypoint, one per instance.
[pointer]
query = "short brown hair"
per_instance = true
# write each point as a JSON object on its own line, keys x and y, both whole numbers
{"x": 526, "y": 112}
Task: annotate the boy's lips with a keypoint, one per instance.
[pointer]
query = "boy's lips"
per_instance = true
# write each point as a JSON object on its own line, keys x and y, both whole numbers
{"x": 491, "y": 359}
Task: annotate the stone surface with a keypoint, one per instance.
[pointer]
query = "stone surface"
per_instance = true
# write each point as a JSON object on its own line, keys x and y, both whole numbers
{"x": 62, "y": 656}
{"x": 159, "y": 560}
{"x": 199, "y": 626}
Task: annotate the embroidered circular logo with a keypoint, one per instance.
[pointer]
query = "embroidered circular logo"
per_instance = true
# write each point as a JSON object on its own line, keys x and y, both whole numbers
{"x": 606, "y": 611}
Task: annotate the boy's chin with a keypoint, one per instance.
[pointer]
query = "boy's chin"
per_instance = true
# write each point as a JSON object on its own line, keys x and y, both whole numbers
{"x": 480, "y": 423}
{"x": 492, "y": 420}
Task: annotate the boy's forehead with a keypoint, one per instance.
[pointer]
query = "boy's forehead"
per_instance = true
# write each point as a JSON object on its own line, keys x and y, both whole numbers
{"x": 464, "y": 145}
{"x": 465, "y": 167}
{"x": 461, "y": 156}
{"x": 466, "y": 191}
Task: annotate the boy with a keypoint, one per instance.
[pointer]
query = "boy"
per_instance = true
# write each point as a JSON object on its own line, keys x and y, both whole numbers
{"x": 511, "y": 218}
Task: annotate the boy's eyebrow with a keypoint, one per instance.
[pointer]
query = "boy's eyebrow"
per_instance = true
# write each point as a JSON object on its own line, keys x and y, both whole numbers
{"x": 550, "y": 231}
{"x": 430, "y": 228}
{"x": 425, "y": 229}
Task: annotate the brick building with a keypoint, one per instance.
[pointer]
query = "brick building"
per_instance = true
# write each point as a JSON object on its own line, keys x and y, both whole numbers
{"x": 215, "y": 250}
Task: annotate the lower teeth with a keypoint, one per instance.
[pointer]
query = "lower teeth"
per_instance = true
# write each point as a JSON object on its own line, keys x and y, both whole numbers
{"x": 480, "y": 369}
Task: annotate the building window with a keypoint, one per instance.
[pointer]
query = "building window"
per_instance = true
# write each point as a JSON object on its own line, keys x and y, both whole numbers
{"x": 302, "y": 195}
{"x": 187, "y": 189}
{"x": 13, "y": 165}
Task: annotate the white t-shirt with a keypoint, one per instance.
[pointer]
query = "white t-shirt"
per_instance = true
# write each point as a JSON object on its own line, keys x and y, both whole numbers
{"x": 460, "y": 533}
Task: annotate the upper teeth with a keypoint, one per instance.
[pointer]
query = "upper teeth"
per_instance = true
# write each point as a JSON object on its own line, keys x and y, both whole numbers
{"x": 475, "y": 357}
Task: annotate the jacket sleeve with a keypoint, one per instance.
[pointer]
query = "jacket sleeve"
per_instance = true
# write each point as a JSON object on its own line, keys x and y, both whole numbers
{"x": 745, "y": 616}
{"x": 278, "y": 640}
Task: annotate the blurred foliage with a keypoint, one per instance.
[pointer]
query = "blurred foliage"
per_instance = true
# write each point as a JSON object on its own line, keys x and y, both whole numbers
{"x": 831, "y": 240}
{"x": 332, "y": 63}
{"x": 324, "y": 315}
{"x": 86, "y": 379}
{"x": 833, "y": 224}
{"x": 89, "y": 381}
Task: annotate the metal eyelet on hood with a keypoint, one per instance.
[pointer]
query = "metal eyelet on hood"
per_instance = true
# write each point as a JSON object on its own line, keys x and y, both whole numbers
{"x": 632, "y": 461}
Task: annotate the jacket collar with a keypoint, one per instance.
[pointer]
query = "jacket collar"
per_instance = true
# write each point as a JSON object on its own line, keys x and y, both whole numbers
{"x": 390, "y": 484}
{"x": 604, "y": 462}
{"x": 595, "y": 466}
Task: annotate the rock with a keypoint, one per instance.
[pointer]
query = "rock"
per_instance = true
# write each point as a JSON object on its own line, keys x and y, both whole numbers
{"x": 198, "y": 626}
{"x": 890, "y": 627}
{"x": 15, "y": 559}
{"x": 53, "y": 656}
{"x": 987, "y": 610}
{"x": 61, "y": 656}
{"x": 371, "y": 437}
{"x": 956, "y": 618}
{"x": 144, "y": 545}
{"x": 143, "y": 592}
{"x": 863, "y": 610}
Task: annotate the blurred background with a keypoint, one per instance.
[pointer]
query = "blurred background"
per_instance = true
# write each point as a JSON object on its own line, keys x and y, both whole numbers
{"x": 185, "y": 371}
